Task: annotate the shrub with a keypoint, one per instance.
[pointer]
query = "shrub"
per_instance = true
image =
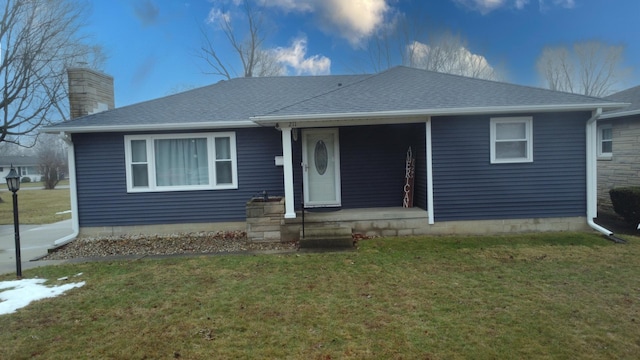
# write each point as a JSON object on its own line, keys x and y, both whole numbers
{"x": 626, "y": 203}
{"x": 25, "y": 179}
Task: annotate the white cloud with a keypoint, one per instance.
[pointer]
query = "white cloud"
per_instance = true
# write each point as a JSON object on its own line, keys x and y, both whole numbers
{"x": 486, "y": 6}
{"x": 482, "y": 6}
{"x": 294, "y": 57}
{"x": 352, "y": 20}
{"x": 217, "y": 16}
{"x": 17, "y": 294}
{"x": 568, "y": 4}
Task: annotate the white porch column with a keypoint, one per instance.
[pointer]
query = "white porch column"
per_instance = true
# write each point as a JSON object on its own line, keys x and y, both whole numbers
{"x": 287, "y": 157}
{"x": 429, "y": 164}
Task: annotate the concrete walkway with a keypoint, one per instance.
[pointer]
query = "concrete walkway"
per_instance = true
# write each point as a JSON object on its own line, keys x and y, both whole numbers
{"x": 34, "y": 242}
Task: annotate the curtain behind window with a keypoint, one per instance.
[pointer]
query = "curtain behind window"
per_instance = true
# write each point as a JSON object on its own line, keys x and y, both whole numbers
{"x": 181, "y": 162}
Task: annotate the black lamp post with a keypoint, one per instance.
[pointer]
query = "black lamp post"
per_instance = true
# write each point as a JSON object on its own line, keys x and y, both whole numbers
{"x": 13, "y": 183}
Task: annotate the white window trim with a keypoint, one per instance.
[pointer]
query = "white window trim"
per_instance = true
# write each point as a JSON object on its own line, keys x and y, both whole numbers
{"x": 151, "y": 171}
{"x": 603, "y": 155}
{"x": 528, "y": 121}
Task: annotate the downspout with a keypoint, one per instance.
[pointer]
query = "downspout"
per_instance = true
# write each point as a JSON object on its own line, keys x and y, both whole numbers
{"x": 592, "y": 177}
{"x": 73, "y": 192}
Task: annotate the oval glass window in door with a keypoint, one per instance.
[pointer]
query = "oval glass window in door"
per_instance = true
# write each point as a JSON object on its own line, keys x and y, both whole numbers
{"x": 321, "y": 157}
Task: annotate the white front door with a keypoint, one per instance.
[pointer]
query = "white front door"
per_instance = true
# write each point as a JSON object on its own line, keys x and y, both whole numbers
{"x": 321, "y": 167}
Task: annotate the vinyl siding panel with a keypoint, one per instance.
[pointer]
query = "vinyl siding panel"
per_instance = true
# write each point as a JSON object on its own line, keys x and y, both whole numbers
{"x": 468, "y": 187}
{"x": 372, "y": 163}
{"x": 103, "y": 199}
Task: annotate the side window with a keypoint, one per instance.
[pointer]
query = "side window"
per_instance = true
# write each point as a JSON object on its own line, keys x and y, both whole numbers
{"x": 511, "y": 140}
{"x": 605, "y": 141}
{"x": 139, "y": 165}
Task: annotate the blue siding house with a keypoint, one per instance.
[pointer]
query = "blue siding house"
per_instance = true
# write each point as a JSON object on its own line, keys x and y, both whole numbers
{"x": 489, "y": 156}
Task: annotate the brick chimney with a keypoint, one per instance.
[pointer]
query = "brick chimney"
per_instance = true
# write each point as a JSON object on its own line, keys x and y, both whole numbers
{"x": 90, "y": 92}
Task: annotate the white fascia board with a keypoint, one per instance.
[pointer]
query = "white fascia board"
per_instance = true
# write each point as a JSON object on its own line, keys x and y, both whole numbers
{"x": 272, "y": 119}
{"x": 620, "y": 114}
{"x": 149, "y": 127}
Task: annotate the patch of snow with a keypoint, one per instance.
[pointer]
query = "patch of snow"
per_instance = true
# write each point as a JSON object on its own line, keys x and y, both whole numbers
{"x": 63, "y": 212}
{"x": 17, "y": 294}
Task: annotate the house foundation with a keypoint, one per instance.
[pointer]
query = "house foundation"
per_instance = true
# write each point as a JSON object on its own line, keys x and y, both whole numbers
{"x": 266, "y": 223}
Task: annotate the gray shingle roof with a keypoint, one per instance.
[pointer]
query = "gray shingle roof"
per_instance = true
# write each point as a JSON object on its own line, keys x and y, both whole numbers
{"x": 631, "y": 96}
{"x": 233, "y": 101}
{"x": 239, "y": 102}
{"x": 406, "y": 89}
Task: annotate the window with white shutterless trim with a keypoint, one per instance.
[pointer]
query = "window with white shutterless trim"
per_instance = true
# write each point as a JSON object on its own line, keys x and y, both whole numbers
{"x": 511, "y": 140}
{"x": 605, "y": 141}
{"x": 181, "y": 162}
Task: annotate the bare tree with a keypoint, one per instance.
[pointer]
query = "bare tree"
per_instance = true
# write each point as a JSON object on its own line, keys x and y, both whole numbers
{"x": 248, "y": 47}
{"x": 448, "y": 53}
{"x": 391, "y": 45}
{"x": 52, "y": 159}
{"x": 406, "y": 40}
{"x": 39, "y": 38}
{"x": 589, "y": 68}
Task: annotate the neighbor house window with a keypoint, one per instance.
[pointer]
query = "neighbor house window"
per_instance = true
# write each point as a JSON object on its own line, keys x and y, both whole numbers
{"x": 605, "y": 141}
{"x": 181, "y": 162}
{"x": 511, "y": 140}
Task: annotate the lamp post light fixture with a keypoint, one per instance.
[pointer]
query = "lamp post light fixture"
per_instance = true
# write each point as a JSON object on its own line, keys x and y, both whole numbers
{"x": 13, "y": 183}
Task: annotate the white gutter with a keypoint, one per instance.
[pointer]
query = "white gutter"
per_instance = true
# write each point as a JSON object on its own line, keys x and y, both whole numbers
{"x": 268, "y": 119}
{"x": 592, "y": 174}
{"x": 149, "y": 127}
{"x": 618, "y": 114}
{"x": 73, "y": 192}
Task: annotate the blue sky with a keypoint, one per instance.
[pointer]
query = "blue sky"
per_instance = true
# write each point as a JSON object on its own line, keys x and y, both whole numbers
{"x": 152, "y": 44}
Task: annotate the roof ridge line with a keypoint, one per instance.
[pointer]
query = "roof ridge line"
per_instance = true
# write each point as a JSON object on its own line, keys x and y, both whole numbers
{"x": 340, "y": 87}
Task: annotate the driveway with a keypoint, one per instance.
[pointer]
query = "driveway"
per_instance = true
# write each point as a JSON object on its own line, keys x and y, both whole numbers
{"x": 34, "y": 242}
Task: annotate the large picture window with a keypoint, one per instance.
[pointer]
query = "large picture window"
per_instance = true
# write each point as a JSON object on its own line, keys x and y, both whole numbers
{"x": 511, "y": 140}
{"x": 181, "y": 162}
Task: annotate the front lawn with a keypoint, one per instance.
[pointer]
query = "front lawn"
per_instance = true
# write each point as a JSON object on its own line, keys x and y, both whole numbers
{"x": 36, "y": 206}
{"x": 561, "y": 295}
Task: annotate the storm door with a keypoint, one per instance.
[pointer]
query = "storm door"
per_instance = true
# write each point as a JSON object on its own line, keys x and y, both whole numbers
{"x": 321, "y": 167}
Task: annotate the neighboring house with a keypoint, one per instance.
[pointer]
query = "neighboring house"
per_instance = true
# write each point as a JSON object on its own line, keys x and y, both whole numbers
{"x": 490, "y": 156}
{"x": 619, "y": 146}
{"x": 26, "y": 166}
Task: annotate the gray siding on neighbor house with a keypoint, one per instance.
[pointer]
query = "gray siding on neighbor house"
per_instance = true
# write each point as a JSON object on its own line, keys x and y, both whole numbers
{"x": 102, "y": 192}
{"x": 468, "y": 187}
{"x": 372, "y": 165}
{"x": 623, "y": 167}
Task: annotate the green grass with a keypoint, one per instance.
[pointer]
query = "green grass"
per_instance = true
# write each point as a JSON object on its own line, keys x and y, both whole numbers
{"x": 41, "y": 184}
{"x": 544, "y": 296}
{"x": 35, "y": 206}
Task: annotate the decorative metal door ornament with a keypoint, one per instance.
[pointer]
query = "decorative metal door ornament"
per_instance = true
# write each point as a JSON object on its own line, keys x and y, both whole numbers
{"x": 321, "y": 157}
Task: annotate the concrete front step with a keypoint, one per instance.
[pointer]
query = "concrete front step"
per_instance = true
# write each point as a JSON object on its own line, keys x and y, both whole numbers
{"x": 318, "y": 236}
